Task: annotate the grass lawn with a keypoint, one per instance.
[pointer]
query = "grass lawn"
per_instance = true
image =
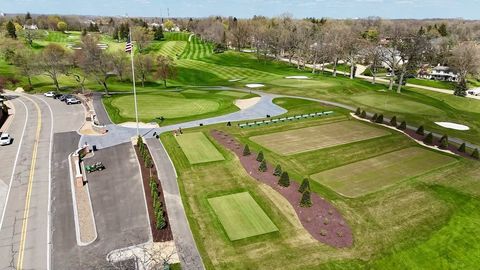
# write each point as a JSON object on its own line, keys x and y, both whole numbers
{"x": 197, "y": 148}
{"x": 241, "y": 216}
{"x": 317, "y": 137}
{"x": 432, "y": 83}
{"x": 370, "y": 175}
{"x": 233, "y": 94}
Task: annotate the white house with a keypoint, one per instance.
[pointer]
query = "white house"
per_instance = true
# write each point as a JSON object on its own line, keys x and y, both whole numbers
{"x": 30, "y": 27}
{"x": 442, "y": 73}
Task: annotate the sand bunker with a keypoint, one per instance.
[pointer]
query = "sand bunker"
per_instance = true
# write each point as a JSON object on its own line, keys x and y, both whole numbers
{"x": 452, "y": 125}
{"x": 296, "y": 77}
{"x": 246, "y": 103}
{"x": 140, "y": 125}
{"x": 254, "y": 85}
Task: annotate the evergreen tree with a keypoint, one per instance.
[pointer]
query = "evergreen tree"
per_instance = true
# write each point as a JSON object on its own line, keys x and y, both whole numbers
{"x": 284, "y": 180}
{"x": 278, "y": 170}
{"x": 403, "y": 125}
{"x": 420, "y": 131}
{"x": 444, "y": 142}
{"x": 379, "y": 119}
{"x": 260, "y": 156}
{"x": 428, "y": 139}
{"x": 443, "y": 30}
{"x": 246, "y": 150}
{"x": 363, "y": 114}
{"x": 306, "y": 200}
{"x": 158, "y": 33}
{"x": 475, "y": 154}
{"x": 358, "y": 112}
{"x": 461, "y": 88}
{"x": 11, "y": 32}
{"x": 462, "y": 148}
{"x": 84, "y": 32}
{"x": 263, "y": 166}
{"x": 393, "y": 121}
{"x": 304, "y": 186}
{"x": 374, "y": 117}
{"x": 28, "y": 16}
{"x": 115, "y": 34}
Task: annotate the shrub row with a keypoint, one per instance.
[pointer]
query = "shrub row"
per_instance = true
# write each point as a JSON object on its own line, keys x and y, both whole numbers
{"x": 160, "y": 222}
{"x": 145, "y": 154}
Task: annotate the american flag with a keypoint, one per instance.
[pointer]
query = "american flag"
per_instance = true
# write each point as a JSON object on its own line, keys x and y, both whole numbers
{"x": 129, "y": 45}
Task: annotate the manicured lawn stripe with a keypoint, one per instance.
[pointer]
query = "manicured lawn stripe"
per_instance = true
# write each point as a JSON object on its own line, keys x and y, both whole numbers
{"x": 198, "y": 148}
{"x": 241, "y": 216}
{"x": 366, "y": 176}
{"x": 232, "y": 94}
{"x": 317, "y": 137}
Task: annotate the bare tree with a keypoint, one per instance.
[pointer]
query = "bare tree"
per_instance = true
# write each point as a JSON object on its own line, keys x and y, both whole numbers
{"x": 120, "y": 63}
{"x": 373, "y": 56}
{"x": 465, "y": 60}
{"x": 143, "y": 66}
{"x": 27, "y": 63}
{"x": 239, "y": 32}
{"x": 166, "y": 69}
{"x": 55, "y": 61}
{"x": 142, "y": 36}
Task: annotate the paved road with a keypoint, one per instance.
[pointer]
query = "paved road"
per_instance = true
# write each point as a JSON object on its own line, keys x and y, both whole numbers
{"x": 187, "y": 250}
{"x": 117, "y": 199}
{"x": 102, "y": 115}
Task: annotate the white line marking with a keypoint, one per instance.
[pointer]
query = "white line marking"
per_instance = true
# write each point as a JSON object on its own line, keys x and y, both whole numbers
{"x": 15, "y": 163}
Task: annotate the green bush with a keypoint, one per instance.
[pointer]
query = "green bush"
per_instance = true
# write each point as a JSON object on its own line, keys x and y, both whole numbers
{"x": 374, "y": 117}
{"x": 246, "y": 150}
{"x": 284, "y": 180}
{"x": 444, "y": 142}
{"x": 393, "y": 121}
{"x": 148, "y": 162}
{"x": 462, "y": 148}
{"x": 260, "y": 156}
{"x": 428, "y": 139}
{"x": 379, "y": 119}
{"x": 263, "y": 166}
{"x": 403, "y": 125}
{"x": 358, "y": 112}
{"x": 420, "y": 131}
{"x": 363, "y": 114}
{"x": 304, "y": 186}
{"x": 306, "y": 200}
{"x": 475, "y": 154}
{"x": 278, "y": 170}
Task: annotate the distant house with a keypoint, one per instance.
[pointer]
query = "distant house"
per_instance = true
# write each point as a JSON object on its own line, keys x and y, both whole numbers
{"x": 30, "y": 27}
{"x": 442, "y": 73}
{"x": 154, "y": 24}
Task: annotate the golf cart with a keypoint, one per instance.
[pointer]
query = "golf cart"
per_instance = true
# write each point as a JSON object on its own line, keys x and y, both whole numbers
{"x": 95, "y": 167}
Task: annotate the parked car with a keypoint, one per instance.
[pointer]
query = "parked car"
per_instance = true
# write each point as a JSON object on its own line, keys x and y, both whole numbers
{"x": 64, "y": 97}
{"x": 72, "y": 100}
{"x": 57, "y": 95}
{"x": 49, "y": 94}
{"x": 5, "y": 139}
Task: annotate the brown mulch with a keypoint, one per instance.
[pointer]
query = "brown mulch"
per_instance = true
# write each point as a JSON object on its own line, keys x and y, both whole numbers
{"x": 164, "y": 234}
{"x": 321, "y": 216}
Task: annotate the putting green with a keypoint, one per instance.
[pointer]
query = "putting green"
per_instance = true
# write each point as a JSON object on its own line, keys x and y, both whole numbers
{"x": 168, "y": 106}
{"x": 366, "y": 176}
{"x": 198, "y": 148}
{"x": 396, "y": 104}
{"x": 317, "y": 137}
{"x": 241, "y": 216}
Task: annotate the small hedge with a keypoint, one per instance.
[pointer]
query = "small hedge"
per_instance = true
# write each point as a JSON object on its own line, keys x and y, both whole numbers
{"x": 358, "y": 112}
{"x": 462, "y": 148}
{"x": 428, "y": 139}
{"x": 246, "y": 150}
{"x": 393, "y": 121}
{"x": 260, "y": 156}
{"x": 379, "y": 119}
{"x": 278, "y": 170}
{"x": 363, "y": 114}
{"x": 374, "y": 117}
{"x": 475, "y": 154}
{"x": 402, "y": 126}
{"x": 444, "y": 142}
{"x": 420, "y": 131}
{"x": 263, "y": 166}
{"x": 284, "y": 180}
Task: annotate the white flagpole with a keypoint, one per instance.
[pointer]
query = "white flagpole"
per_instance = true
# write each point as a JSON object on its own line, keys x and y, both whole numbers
{"x": 133, "y": 79}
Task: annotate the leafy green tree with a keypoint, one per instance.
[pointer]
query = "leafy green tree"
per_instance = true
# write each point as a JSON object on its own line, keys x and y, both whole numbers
{"x": 475, "y": 154}
{"x": 304, "y": 186}
{"x": 278, "y": 170}
{"x": 246, "y": 150}
{"x": 462, "y": 148}
{"x": 444, "y": 142}
{"x": 428, "y": 139}
{"x": 403, "y": 125}
{"x": 11, "y": 32}
{"x": 306, "y": 200}
{"x": 62, "y": 26}
{"x": 260, "y": 156}
{"x": 284, "y": 180}
{"x": 263, "y": 166}
{"x": 420, "y": 130}
{"x": 393, "y": 121}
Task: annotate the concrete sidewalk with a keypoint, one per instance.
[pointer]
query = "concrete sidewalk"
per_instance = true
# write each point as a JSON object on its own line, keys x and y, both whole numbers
{"x": 187, "y": 249}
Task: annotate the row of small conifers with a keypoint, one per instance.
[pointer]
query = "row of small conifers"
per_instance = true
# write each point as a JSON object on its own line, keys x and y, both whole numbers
{"x": 283, "y": 178}
{"x": 160, "y": 222}
{"x": 427, "y": 139}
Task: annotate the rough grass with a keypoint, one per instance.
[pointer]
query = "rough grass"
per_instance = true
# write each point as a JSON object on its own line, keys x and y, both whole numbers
{"x": 241, "y": 216}
{"x": 370, "y": 175}
{"x": 395, "y": 104}
{"x": 317, "y": 137}
{"x": 197, "y": 148}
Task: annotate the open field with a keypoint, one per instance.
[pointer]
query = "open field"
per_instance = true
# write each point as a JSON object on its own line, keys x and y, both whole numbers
{"x": 241, "y": 216}
{"x": 370, "y": 175}
{"x": 197, "y": 148}
{"x": 307, "y": 139}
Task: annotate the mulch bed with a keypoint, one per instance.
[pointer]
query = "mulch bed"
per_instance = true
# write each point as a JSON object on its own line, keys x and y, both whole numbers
{"x": 320, "y": 217}
{"x": 164, "y": 234}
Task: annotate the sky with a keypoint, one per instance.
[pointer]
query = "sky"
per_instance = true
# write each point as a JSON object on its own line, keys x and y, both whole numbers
{"x": 467, "y": 9}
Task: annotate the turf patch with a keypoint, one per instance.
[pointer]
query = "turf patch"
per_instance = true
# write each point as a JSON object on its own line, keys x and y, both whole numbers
{"x": 198, "y": 148}
{"x": 370, "y": 175}
{"x": 317, "y": 137}
{"x": 232, "y": 94}
{"x": 241, "y": 216}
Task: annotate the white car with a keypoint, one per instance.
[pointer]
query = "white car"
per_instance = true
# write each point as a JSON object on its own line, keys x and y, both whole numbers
{"x": 49, "y": 94}
{"x": 5, "y": 139}
{"x": 72, "y": 100}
